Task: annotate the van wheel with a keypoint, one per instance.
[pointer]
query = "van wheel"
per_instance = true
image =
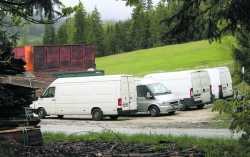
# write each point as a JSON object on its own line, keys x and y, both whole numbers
{"x": 200, "y": 106}
{"x": 113, "y": 117}
{"x": 171, "y": 113}
{"x": 60, "y": 116}
{"x": 97, "y": 114}
{"x": 184, "y": 107}
{"x": 41, "y": 113}
{"x": 154, "y": 111}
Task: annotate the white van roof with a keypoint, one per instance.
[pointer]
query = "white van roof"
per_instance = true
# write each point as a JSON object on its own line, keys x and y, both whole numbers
{"x": 145, "y": 81}
{"x": 89, "y": 79}
{"x": 177, "y": 74}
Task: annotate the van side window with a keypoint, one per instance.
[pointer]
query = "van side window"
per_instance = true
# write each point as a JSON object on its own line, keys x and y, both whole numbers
{"x": 142, "y": 91}
{"x": 49, "y": 93}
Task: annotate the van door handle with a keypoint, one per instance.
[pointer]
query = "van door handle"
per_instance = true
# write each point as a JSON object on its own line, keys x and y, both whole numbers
{"x": 203, "y": 90}
{"x": 53, "y": 99}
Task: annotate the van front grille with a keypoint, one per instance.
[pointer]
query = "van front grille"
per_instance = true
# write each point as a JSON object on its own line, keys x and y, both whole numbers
{"x": 174, "y": 102}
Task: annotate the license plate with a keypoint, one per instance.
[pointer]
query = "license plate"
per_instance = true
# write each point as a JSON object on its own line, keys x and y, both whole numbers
{"x": 125, "y": 105}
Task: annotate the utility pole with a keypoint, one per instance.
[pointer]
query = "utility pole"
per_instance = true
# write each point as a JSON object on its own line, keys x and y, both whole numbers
{"x": 243, "y": 72}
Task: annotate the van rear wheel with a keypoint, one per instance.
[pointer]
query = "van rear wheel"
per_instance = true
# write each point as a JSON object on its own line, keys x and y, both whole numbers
{"x": 97, "y": 114}
{"x": 41, "y": 113}
{"x": 154, "y": 111}
{"x": 113, "y": 117}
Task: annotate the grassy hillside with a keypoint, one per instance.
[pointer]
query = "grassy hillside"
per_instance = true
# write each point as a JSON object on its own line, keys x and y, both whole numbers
{"x": 193, "y": 55}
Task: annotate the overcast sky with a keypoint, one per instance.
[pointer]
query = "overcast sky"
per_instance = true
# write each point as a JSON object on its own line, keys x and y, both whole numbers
{"x": 109, "y": 9}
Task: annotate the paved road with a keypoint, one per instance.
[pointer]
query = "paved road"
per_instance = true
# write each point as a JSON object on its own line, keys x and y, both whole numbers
{"x": 132, "y": 129}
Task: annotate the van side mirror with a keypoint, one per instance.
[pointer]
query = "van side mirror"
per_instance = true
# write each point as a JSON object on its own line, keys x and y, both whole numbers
{"x": 41, "y": 96}
{"x": 149, "y": 95}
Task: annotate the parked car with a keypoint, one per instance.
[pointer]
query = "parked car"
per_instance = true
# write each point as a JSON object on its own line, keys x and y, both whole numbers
{"x": 155, "y": 98}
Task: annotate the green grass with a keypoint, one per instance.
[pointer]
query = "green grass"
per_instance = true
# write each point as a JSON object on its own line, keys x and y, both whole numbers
{"x": 193, "y": 55}
{"x": 222, "y": 116}
{"x": 212, "y": 146}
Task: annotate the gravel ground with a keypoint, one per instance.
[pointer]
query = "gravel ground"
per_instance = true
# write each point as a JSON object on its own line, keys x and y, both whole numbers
{"x": 190, "y": 116}
{"x": 181, "y": 120}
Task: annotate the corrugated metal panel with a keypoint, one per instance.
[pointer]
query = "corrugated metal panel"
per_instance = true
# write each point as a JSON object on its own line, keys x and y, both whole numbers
{"x": 40, "y": 58}
{"x": 88, "y": 56}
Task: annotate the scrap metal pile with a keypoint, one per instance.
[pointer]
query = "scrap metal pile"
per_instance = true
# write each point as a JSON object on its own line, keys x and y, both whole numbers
{"x": 17, "y": 92}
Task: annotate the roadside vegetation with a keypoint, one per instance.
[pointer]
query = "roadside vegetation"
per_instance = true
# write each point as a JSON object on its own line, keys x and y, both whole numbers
{"x": 211, "y": 146}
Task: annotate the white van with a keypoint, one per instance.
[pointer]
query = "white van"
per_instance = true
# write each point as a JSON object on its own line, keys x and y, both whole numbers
{"x": 155, "y": 98}
{"x": 221, "y": 82}
{"x": 193, "y": 87}
{"x": 98, "y": 96}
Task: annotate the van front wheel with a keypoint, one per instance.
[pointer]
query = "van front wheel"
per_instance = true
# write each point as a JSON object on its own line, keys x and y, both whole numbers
{"x": 97, "y": 114}
{"x": 41, "y": 113}
{"x": 154, "y": 111}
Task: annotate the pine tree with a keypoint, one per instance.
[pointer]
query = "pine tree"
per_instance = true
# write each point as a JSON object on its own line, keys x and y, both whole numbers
{"x": 61, "y": 36}
{"x": 79, "y": 23}
{"x": 95, "y": 32}
{"x": 49, "y": 34}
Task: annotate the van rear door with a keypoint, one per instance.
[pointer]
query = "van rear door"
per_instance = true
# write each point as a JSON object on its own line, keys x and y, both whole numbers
{"x": 229, "y": 84}
{"x": 226, "y": 82}
{"x": 128, "y": 90}
{"x": 205, "y": 85}
{"x": 132, "y": 93}
{"x": 196, "y": 84}
{"x": 125, "y": 93}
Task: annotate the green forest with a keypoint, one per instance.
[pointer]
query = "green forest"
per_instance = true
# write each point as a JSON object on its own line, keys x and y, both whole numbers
{"x": 145, "y": 29}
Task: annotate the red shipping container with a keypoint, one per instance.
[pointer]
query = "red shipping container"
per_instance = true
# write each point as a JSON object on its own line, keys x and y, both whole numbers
{"x": 64, "y": 58}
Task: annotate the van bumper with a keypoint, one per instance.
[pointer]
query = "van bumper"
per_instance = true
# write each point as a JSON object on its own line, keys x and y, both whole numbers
{"x": 166, "y": 109}
{"x": 189, "y": 102}
{"x": 220, "y": 95}
{"x": 126, "y": 112}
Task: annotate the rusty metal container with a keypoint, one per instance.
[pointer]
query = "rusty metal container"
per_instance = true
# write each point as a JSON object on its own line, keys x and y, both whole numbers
{"x": 63, "y": 58}
{"x": 57, "y": 58}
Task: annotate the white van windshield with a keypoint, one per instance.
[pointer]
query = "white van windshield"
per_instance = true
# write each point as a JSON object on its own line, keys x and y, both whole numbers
{"x": 158, "y": 88}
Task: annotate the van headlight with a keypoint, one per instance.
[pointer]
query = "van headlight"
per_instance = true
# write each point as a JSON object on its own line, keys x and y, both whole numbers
{"x": 165, "y": 103}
